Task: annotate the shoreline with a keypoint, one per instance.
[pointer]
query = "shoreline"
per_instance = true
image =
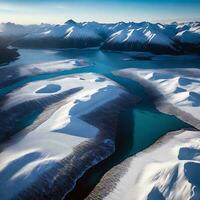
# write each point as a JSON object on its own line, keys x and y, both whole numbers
{"x": 8, "y": 55}
{"x": 159, "y": 100}
{"x": 111, "y": 179}
{"x": 60, "y": 177}
{"x": 103, "y": 150}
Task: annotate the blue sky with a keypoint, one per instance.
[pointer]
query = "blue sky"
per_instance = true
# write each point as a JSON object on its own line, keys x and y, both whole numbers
{"x": 58, "y": 11}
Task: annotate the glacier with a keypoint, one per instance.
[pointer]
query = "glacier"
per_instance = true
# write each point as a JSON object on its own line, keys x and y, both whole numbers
{"x": 45, "y": 159}
{"x": 168, "y": 169}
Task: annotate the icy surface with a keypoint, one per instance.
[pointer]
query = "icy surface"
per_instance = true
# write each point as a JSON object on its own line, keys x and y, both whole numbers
{"x": 179, "y": 87}
{"x": 168, "y": 169}
{"x": 28, "y": 155}
{"x": 53, "y": 66}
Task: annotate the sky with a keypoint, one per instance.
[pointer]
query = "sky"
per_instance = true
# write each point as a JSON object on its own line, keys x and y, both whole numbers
{"x": 106, "y": 11}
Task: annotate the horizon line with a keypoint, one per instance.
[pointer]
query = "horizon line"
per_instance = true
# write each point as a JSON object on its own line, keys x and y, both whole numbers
{"x": 168, "y": 21}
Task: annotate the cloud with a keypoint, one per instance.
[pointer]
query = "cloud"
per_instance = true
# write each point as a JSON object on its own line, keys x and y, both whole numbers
{"x": 5, "y": 8}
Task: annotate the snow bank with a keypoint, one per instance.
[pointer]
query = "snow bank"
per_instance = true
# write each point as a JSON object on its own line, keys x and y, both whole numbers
{"x": 53, "y": 66}
{"x": 177, "y": 90}
{"x": 19, "y": 72}
{"x": 169, "y": 169}
{"x": 32, "y": 91}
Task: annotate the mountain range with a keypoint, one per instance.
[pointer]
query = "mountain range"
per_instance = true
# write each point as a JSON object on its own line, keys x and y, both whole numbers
{"x": 173, "y": 38}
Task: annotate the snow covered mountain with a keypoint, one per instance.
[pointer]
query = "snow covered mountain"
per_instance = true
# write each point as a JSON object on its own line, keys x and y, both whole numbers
{"x": 158, "y": 38}
{"x": 148, "y": 37}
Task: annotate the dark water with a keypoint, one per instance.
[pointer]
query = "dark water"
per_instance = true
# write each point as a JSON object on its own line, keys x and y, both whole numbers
{"x": 139, "y": 126}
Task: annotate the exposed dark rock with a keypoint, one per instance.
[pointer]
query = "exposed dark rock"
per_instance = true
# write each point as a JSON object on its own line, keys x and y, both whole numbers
{"x": 136, "y": 46}
{"x": 57, "y": 43}
{"x": 7, "y": 55}
{"x": 60, "y": 180}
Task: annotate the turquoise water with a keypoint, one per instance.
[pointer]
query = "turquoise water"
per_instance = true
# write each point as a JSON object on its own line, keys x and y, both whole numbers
{"x": 146, "y": 123}
{"x": 102, "y": 63}
{"x": 139, "y": 127}
{"x": 51, "y": 88}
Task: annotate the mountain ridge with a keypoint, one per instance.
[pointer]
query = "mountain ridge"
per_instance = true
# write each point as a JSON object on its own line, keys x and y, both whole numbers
{"x": 173, "y": 38}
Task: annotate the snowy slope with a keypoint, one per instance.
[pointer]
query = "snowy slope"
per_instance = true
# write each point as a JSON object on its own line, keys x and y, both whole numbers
{"x": 80, "y": 33}
{"x": 69, "y": 30}
{"x": 144, "y": 36}
{"x": 177, "y": 88}
{"x": 169, "y": 169}
{"x": 65, "y": 137}
{"x": 191, "y": 36}
{"x": 141, "y": 37}
{"x": 63, "y": 36}
{"x": 11, "y": 29}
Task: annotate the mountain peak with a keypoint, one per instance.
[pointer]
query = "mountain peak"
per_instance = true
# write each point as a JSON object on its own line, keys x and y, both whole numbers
{"x": 70, "y": 21}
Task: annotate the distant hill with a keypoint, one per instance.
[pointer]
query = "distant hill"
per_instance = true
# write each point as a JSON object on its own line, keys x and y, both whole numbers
{"x": 6, "y": 54}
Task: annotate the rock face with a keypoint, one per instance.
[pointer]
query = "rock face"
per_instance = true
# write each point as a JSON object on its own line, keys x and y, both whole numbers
{"x": 8, "y": 55}
{"x": 175, "y": 38}
{"x": 74, "y": 131}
